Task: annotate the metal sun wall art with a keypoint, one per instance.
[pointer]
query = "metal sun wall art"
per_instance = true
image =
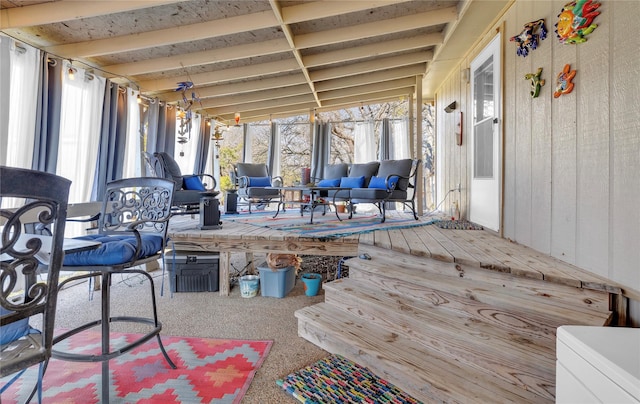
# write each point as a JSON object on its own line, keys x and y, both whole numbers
{"x": 563, "y": 83}
{"x": 530, "y": 36}
{"x": 575, "y": 21}
{"x": 536, "y": 82}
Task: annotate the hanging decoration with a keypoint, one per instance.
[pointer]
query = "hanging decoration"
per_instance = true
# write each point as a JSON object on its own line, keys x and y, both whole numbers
{"x": 185, "y": 114}
{"x": 530, "y": 36}
{"x": 237, "y": 118}
{"x": 563, "y": 83}
{"x": 536, "y": 82}
{"x": 575, "y": 21}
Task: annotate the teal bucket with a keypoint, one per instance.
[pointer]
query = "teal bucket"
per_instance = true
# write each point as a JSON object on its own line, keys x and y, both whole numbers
{"x": 249, "y": 285}
{"x": 312, "y": 283}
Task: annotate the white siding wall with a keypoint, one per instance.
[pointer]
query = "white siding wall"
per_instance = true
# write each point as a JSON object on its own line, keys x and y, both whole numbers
{"x": 572, "y": 164}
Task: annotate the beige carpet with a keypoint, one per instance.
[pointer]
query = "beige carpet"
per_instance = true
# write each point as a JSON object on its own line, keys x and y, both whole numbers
{"x": 207, "y": 314}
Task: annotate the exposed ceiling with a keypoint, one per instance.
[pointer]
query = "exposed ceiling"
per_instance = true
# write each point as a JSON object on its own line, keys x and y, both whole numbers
{"x": 260, "y": 58}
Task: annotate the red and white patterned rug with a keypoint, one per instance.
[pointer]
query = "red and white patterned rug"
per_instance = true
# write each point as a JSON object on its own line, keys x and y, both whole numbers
{"x": 209, "y": 371}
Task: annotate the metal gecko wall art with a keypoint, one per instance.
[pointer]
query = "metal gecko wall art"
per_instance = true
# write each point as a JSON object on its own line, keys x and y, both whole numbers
{"x": 531, "y": 35}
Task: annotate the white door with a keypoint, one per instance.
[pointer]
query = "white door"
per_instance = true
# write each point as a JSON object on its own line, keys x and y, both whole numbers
{"x": 486, "y": 138}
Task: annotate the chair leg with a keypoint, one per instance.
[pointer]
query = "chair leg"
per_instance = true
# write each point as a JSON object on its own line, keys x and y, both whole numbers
{"x": 383, "y": 209}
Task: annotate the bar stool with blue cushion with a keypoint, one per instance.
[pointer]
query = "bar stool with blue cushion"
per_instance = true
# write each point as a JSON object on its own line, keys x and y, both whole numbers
{"x": 42, "y": 199}
{"x": 132, "y": 228}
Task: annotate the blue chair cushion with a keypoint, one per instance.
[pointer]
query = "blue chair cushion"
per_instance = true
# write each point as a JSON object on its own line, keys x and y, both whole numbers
{"x": 259, "y": 181}
{"x": 379, "y": 182}
{"x": 352, "y": 182}
{"x": 115, "y": 249}
{"x": 13, "y": 331}
{"x": 330, "y": 183}
{"x": 193, "y": 182}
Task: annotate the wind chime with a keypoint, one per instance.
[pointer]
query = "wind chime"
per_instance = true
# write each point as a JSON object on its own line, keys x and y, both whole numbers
{"x": 185, "y": 114}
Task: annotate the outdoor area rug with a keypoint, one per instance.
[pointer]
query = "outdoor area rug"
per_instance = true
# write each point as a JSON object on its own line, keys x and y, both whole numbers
{"x": 328, "y": 226}
{"x": 336, "y": 379}
{"x": 209, "y": 371}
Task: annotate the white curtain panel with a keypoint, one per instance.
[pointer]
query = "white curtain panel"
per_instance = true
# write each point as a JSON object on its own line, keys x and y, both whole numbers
{"x": 133, "y": 148}
{"x": 400, "y": 139}
{"x": 80, "y": 122}
{"x": 187, "y": 161}
{"x": 364, "y": 142}
{"x": 24, "y": 66}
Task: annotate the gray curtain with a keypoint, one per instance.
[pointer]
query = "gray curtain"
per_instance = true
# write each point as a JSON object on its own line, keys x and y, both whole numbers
{"x": 321, "y": 148}
{"x": 152, "y": 125}
{"x": 203, "y": 147}
{"x": 246, "y": 145}
{"x": 112, "y": 139}
{"x": 274, "y": 149}
{"x": 166, "y": 130}
{"x": 5, "y": 97}
{"x": 47, "y": 136}
{"x": 385, "y": 141}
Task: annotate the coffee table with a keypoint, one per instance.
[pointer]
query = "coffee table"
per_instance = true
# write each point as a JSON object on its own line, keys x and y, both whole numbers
{"x": 314, "y": 198}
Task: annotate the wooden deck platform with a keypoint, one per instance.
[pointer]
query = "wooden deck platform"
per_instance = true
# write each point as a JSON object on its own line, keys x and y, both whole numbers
{"x": 447, "y": 315}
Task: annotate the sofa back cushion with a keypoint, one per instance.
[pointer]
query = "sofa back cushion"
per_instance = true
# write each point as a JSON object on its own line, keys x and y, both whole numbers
{"x": 366, "y": 170}
{"x": 335, "y": 171}
{"x": 252, "y": 170}
{"x": 401, "y": 168}
{"x": 171, "y": 169}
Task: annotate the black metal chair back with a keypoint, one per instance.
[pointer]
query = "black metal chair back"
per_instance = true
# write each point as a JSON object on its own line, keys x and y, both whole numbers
{"x": 41, "y": 198}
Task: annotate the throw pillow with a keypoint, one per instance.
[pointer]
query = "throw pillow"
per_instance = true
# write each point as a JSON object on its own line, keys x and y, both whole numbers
{"x": 352, "y": 182}
{"x": 259, "y": 181}
{"x": 379, "y": 182}
{"x": 329, "y": 183}
{"x": 194, "y": 183}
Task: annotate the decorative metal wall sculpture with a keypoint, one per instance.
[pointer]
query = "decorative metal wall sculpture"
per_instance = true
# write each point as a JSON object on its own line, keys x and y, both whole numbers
{"x": 575, "y": 21}
{"x": 563, "y": 83}
{"x": 536, "y": 82}
{"x": 530, "y": 36}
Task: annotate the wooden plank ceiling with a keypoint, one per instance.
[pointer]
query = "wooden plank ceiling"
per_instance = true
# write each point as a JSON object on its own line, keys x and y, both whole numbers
{"x": 258, "y": 58}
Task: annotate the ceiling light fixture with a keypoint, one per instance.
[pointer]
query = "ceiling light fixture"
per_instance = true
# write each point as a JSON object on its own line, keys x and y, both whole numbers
{"x": 71, "y": 73}
{"x": 237, "y": 118}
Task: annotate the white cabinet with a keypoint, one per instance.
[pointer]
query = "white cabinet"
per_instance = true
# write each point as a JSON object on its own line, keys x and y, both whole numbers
{"x": 597, "y": 365}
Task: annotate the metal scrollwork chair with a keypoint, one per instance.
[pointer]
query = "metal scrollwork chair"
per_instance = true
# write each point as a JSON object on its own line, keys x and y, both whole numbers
{"x": 42, "y": 199}
{"x": 132, "y": 228}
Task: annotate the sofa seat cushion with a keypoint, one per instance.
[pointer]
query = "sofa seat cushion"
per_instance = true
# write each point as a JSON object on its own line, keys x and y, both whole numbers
{"x": 359, "y": 195}
{"x": 259, "y": 192}
{"x": 189, "y": 196}
{"x": 114, "y": 250}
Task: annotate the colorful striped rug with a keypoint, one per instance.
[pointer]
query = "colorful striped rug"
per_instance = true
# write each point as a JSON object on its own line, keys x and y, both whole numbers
{"x": 336, "y": 379}
{"x": 209, "y": 371}
{"x": 328, "y": 226}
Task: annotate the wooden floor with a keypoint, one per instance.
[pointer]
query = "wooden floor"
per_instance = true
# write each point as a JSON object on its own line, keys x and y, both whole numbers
{"x": 447, "y": 315}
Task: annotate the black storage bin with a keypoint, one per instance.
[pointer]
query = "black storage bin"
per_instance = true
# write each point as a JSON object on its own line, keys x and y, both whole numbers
{"x": 193, "y": 271}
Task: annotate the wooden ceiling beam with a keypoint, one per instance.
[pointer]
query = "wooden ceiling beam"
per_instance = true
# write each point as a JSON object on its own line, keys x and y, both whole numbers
{"x": 373, "y": 77}
{"x": 58, "y": 11}
{"x": 255, "y": 96}
{"x": 308, "y": 11}
{"x": 377, "y": 28}
{"x": 371, "y": 66}
{"x": 199, "y": 58}
{"x": 374, "y": 49}
{"x": 239, "y": 87}
{"x": 221, "y": 76}
{"x": 169, "y": 36}
{"x": 369, "y": 98}
{"x": 266, "y": 104}
{"x": 367, "y": 89}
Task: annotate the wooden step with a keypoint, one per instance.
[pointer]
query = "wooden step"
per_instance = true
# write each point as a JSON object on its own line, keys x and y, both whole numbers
{"x": 514, "y": 357}
{"x": 560, "y": 304}
{"x": 424, "y": 373}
